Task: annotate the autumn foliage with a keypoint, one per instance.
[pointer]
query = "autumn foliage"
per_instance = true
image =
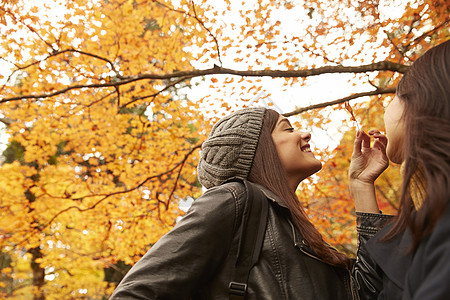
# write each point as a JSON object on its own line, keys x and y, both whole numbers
{"x": 105, "y": 105}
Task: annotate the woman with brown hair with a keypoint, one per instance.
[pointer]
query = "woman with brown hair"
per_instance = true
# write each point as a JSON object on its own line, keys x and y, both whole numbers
{"x": 196, "y": 259}
{"x": 412, "y": 254}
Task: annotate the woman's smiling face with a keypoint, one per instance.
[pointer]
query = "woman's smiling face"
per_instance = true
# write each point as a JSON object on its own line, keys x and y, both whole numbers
{"x": 294, "y": 152}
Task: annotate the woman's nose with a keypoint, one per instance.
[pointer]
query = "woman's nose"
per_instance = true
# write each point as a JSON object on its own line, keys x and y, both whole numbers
{"x": 306, "y": 136}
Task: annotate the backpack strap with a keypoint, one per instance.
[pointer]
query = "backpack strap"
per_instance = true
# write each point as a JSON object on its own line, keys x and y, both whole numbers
{"x": 251, "y": 238}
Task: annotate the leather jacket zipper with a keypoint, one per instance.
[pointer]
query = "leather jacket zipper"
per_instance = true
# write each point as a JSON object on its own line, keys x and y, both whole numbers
{"x": 299, "y": 246}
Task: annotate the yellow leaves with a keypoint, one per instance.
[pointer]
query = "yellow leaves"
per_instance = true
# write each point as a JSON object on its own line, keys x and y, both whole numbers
{"x": 14, "y": 207}
{"x": 57, "y": 179}
{"x": 127, "y": 8}
{"x": 124, "y": 145}
{"x": 12, "y": 179}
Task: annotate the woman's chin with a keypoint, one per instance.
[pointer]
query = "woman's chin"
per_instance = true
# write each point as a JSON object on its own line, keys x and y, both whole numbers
{"x": 319, "y": 167}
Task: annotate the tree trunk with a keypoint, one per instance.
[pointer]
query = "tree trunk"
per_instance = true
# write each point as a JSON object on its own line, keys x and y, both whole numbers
{"x": 38, "y": 274}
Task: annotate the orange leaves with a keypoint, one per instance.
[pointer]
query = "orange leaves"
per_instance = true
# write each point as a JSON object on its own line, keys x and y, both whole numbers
{"x": 288, "y": 5}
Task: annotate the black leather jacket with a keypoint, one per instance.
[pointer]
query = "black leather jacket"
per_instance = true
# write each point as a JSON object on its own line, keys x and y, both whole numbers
{"x": 193, "y": 260}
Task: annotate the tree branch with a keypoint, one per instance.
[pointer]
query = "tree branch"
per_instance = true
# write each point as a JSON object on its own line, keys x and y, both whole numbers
{"x": 209, "y": 32}
{"x": 29, "y": 28}
{"x": 6, "y": 121}
{"x": 378, "y": 66}
{"x": 57, "y": 53}
{"x": 171, "y": 84}
{"x": 429, "y": 32}
{"x": 342, "y": 100}
{"x": 105, "y": 196}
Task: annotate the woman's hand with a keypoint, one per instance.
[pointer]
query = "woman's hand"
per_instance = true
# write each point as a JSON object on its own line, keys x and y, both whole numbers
{"x": 366, "y": 165}
{"x": 368, "y": 162}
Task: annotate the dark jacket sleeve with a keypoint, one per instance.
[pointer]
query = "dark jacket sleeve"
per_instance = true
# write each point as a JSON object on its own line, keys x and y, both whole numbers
{"x": 366, "y": 273}
{"x": 189, "y": 254}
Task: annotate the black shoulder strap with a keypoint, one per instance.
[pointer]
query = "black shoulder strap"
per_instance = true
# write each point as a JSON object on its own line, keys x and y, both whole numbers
{"x": 253, "y": 227}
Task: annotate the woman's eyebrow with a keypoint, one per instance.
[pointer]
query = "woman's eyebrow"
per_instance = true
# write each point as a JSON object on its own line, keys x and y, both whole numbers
{"x": 285, "y": 121}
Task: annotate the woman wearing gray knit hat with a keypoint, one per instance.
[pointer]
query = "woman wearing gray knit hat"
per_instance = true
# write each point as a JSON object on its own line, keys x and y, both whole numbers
{"x": 197, "y": 258}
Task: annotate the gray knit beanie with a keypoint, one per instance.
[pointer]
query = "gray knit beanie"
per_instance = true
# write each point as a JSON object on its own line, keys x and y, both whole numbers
{"x": 230, "y": 147}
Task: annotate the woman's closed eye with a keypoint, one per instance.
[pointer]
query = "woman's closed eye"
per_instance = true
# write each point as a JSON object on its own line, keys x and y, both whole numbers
{"x": 290, "y": 129}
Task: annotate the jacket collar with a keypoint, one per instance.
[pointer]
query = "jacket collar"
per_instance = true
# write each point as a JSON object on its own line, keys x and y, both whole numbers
{"x": 271, "y": 196}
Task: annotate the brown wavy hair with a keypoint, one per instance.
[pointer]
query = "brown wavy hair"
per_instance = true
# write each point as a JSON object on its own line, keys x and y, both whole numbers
{"x": 268, "y": 171}
{"x": 425, "y": 92}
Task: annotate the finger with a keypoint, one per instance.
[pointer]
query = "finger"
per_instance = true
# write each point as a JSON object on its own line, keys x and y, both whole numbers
{"x": 377, "y": 134}
{"x": 373, "y": 131}
{"x": 365, "y": 140}
{"x": 357, "y": 144}
{"x": 380, "y": 145}
{"x": 383, "y": 139}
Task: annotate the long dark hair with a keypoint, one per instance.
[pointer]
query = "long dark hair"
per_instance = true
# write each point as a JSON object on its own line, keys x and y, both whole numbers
{"x": 425, "y": 92}
{"x": 267, "y": 171}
